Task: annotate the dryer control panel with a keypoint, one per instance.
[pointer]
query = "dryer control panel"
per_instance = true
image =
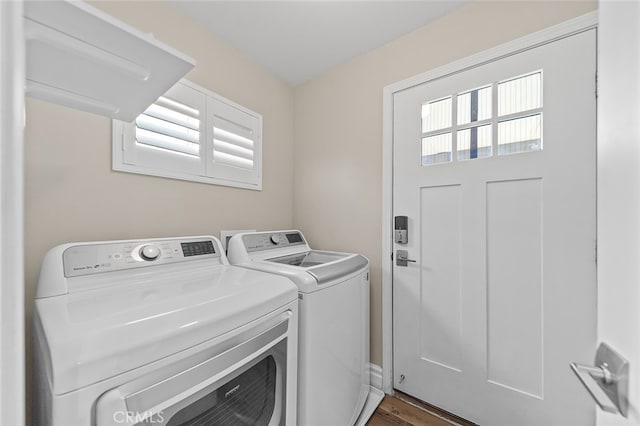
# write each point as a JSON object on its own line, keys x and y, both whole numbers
{"x": 272, "y": 240}
{"x": 89, "y": 259}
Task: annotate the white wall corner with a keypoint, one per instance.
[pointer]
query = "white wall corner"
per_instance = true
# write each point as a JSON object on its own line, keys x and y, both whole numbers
{"x": 619, "y": 193}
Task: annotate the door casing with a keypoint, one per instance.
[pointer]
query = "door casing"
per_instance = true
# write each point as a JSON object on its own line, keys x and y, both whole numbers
{"x": 12, "y": 326}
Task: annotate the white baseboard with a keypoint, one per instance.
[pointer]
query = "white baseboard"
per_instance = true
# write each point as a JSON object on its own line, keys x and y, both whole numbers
{"x": 375, "y": 372}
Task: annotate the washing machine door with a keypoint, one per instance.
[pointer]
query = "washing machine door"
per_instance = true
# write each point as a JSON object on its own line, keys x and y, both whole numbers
{"x": 244, "y": 384}
{"x": 247, "y": 399}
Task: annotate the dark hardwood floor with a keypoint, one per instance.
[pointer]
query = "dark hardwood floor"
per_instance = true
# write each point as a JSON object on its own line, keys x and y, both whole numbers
{"x": 403, "y": 410}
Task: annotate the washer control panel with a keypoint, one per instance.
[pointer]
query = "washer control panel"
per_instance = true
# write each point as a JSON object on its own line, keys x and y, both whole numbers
{"x": 88, "y": 259}
{"x": 272, "y": 240}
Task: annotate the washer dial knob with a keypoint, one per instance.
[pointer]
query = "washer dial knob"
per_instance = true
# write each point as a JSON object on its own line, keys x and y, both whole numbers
{"x": 274, "y": 239}
{"x": 149, "y": 252}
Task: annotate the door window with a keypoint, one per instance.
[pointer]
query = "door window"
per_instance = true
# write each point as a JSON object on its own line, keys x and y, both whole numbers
{"x": 473, "y": 126}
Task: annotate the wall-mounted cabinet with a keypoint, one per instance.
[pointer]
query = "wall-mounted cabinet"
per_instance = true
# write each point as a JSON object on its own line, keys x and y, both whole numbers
{"x": 80, "y": 57}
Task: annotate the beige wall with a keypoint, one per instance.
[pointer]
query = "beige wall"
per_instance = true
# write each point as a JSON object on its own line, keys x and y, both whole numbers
{"x": 73, "y": 195}
{"x": 338, "y": 125}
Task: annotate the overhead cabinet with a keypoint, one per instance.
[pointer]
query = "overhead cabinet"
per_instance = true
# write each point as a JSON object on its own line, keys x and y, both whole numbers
{"x": 81, "y": 57}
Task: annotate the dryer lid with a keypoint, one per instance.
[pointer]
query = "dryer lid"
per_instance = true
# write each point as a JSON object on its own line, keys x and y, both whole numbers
{"x": 98, "y": 334}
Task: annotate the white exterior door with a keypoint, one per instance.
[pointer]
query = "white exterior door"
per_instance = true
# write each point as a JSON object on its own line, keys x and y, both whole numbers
{"x": 495, "y": 169}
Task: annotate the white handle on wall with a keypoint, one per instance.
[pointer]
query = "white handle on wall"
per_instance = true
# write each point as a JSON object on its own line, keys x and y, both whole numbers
{"x": 608, "y": 381}
{"x": 588, "y": 376}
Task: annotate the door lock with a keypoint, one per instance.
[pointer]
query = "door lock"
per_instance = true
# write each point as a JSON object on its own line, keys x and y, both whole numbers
{"x": 400, "y": 231}
{"x": 402, "y": 258}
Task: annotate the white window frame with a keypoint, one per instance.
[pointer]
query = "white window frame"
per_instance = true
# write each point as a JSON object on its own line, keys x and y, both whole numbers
{"x": 131, "y": 157}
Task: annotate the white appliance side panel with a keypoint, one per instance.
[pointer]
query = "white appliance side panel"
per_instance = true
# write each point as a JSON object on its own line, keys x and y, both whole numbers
{"x": 331, "y": 357}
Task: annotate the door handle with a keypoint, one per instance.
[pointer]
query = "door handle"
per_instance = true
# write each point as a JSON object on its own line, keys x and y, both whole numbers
{"x": 608, "y": 382}
{"x": 402, "y": 258}
{"x": 588, "y": 376}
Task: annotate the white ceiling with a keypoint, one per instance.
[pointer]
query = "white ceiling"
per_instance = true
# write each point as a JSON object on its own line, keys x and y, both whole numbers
{"x": 298, "y": 40}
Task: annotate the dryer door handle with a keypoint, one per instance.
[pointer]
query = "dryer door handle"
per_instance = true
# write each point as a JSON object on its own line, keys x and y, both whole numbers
{"x": 111, "y": 410}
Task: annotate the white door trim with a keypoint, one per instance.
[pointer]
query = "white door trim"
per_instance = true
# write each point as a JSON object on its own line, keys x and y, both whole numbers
{"x": 565, "y": 29}
{"x": 12, "y": 355}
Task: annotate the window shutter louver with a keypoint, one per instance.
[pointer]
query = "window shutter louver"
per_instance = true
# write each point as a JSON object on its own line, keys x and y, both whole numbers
{"x": 170, "y": 125}
{"x": 232, "y": 144}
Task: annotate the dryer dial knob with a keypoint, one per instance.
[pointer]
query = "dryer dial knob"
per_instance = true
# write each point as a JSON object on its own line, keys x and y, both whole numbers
{"x": 149, "y": 252}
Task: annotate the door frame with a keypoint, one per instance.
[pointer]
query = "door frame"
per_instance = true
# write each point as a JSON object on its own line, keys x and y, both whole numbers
{"x": 565, "y": 29}
{"x": 12, "y": 348}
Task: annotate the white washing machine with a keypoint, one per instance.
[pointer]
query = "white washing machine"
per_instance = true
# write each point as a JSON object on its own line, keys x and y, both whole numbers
{"x": 333, "y": 340}
{"x": 162, "y": 332}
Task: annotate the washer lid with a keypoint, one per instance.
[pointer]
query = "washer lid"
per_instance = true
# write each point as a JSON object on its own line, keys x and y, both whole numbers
{"x": 98, "y": 334}
{"x": 324, "y": 266}
{"x": 310, "y": 258}
{"x": 325, "y": 273}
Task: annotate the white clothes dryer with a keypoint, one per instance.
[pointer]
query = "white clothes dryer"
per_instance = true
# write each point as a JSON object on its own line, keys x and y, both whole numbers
{"x": 333, "y": 339}
{"x": 163, "y": 332}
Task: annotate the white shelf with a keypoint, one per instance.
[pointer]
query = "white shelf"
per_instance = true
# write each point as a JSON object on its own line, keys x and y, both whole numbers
{"x": 80, "y": 57}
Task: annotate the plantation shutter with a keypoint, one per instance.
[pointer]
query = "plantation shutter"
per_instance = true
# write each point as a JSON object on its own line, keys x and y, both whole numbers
{"x": 236, "y": 143}
{"x": 191, "y": 133}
